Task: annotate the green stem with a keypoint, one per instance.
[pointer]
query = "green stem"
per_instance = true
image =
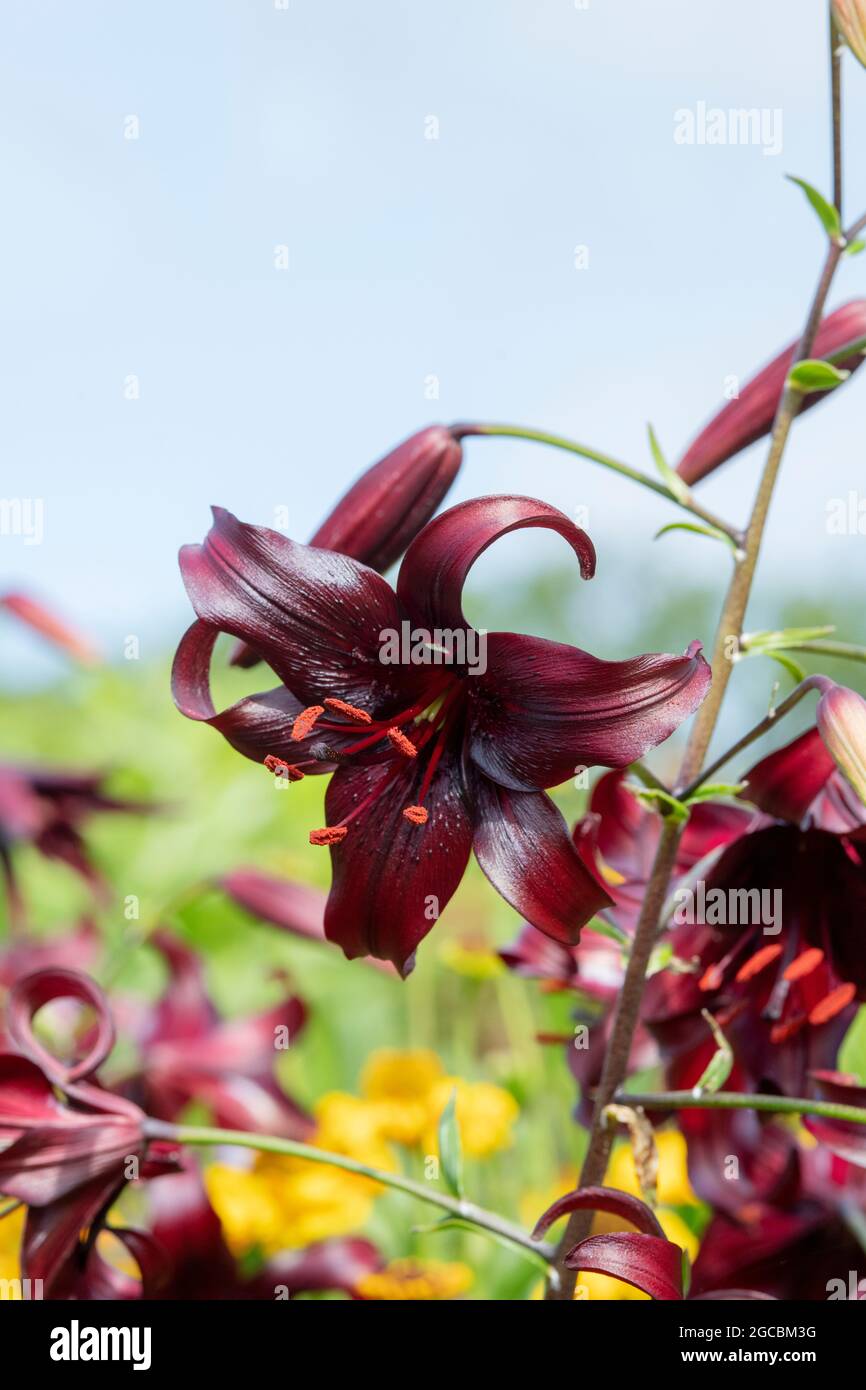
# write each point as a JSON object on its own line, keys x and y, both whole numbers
{"x": 271, "y": 1144}
{"x": 740, "y": 1100}
{"x": 558, "y": 441}
{"x": 848, "y": 651}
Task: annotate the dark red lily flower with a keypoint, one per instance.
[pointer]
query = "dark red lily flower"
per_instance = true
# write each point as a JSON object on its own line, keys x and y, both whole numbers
{"x": 388, "y": 505}
{"x": 779, "y": 1222}
{"x": 188, "y": 1053}
{"x": 188, "y": 1230}
{"x": 47, "y": 809}
{"x": 750, "y": 416}
{"x": 785, "y": 992}
{"x": 646, "y": 1259}
{"x": 68, "y": 1159}
{"x": 434, "y": 758}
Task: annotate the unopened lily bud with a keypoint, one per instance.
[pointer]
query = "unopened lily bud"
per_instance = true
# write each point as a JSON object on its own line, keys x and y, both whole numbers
{"x": 841, "y": 717}
{"x": 850, "y": 17}
{"x": 750, "y": 416}
{"x": 388, "y": 505}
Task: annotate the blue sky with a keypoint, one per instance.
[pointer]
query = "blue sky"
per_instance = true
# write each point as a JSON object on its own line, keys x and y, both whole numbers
{"x": 408, "y": 258}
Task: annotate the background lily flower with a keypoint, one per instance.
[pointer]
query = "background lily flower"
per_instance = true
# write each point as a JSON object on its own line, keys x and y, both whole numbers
{"x": 432, "y": 760}
{"x": 68, "y": 1159}
{"x": 188, "y": 1053}
{"x": 47, "y": 808}
{"x": 750, "y": 415}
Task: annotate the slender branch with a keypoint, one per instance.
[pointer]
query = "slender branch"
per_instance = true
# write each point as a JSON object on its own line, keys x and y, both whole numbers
{"x": 267, "y": 1143}
{"x": 836, "y": 109}
{"x": 557, "y": 441}
{"x": 742, "y": 1100}
{"x": 769, "y": 720}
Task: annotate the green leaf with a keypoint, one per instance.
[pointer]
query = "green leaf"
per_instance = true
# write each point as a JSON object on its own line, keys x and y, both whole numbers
{"x": 785, "y": 637}
{"x": 828, "y": 214}
{"x": 663, "y": 803}
{"x": 609, "y": 930}
{"x": 815, "y": 375}
{"x": 450, "y": 1147}
{"x": 672, "y": 480}
{"x": 711, "y": 790}
{"x": 855, "y": 247}
{"x": 794, "y": 669}
{"x": 721, "y": 1063}
{"x": 712, "y": 531}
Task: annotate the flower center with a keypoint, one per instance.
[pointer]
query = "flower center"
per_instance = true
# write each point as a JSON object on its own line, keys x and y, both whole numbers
{"x": 425, "y": 725}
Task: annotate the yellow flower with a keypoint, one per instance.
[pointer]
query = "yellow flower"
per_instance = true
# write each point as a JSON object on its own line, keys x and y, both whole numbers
{"x": 347, "y": 1125}
{"x": 485, "y": 1116}
{"x": 474, "y": 960}
{"x": 399, "y": 1085}
{"x": 11, "y": 1231}
{"x": 417, "y": 1280}
{"x": 247, "y": 1207}
{"x": 674, "y": 1188}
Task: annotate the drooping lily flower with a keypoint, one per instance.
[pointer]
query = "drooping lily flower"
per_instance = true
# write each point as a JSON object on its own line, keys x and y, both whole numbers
{"x": 188, "y": 1053}
{"x": 434, "y": 755}
{"x": 646, "y": 1259}
{"x": 750, "y": 415}
{"x": 68, "y": 1159}
{"x": 45, "y": 808}
{"x": 778, "y": 943}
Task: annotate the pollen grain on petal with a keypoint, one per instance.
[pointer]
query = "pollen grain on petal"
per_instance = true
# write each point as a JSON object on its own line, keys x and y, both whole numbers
{"x": 833, "y": 1003}
{"x": 402, "y": 744}
{"x": 306, "y": 720}
{"x": 756, "y": 963}
{"x": 416, "y": 814}
{"x": 329, "y": 835}
{"x": 351, "y": 712}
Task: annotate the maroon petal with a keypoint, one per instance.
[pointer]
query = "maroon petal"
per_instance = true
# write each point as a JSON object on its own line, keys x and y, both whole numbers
{"x": 388, "y": 505}
{"x": 32, "y": 992}
{"x": 522, "y": 843}
{"x": 392, "y": 879}
{"x": 542, "y": 710}
{"x": 26, "y": 1095}
{"x": 785, "y": 783}
{"x": 102, "y": 1281}
{"x": 434, "y": 570}
{"x": 536, "y": 957}
{"x": 46, "y": 1164}
{"x": 51, "y": 1233}
{"x": 315, "y": 616}
{"x": 843, "y": 1137}
{"x": 649, "y": 1263}
{"x": 295, "y": 907}
{"x": 185, "y": 1011}
{"x": 608, "y": 1199}
{"x": 329, "y": 1264}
